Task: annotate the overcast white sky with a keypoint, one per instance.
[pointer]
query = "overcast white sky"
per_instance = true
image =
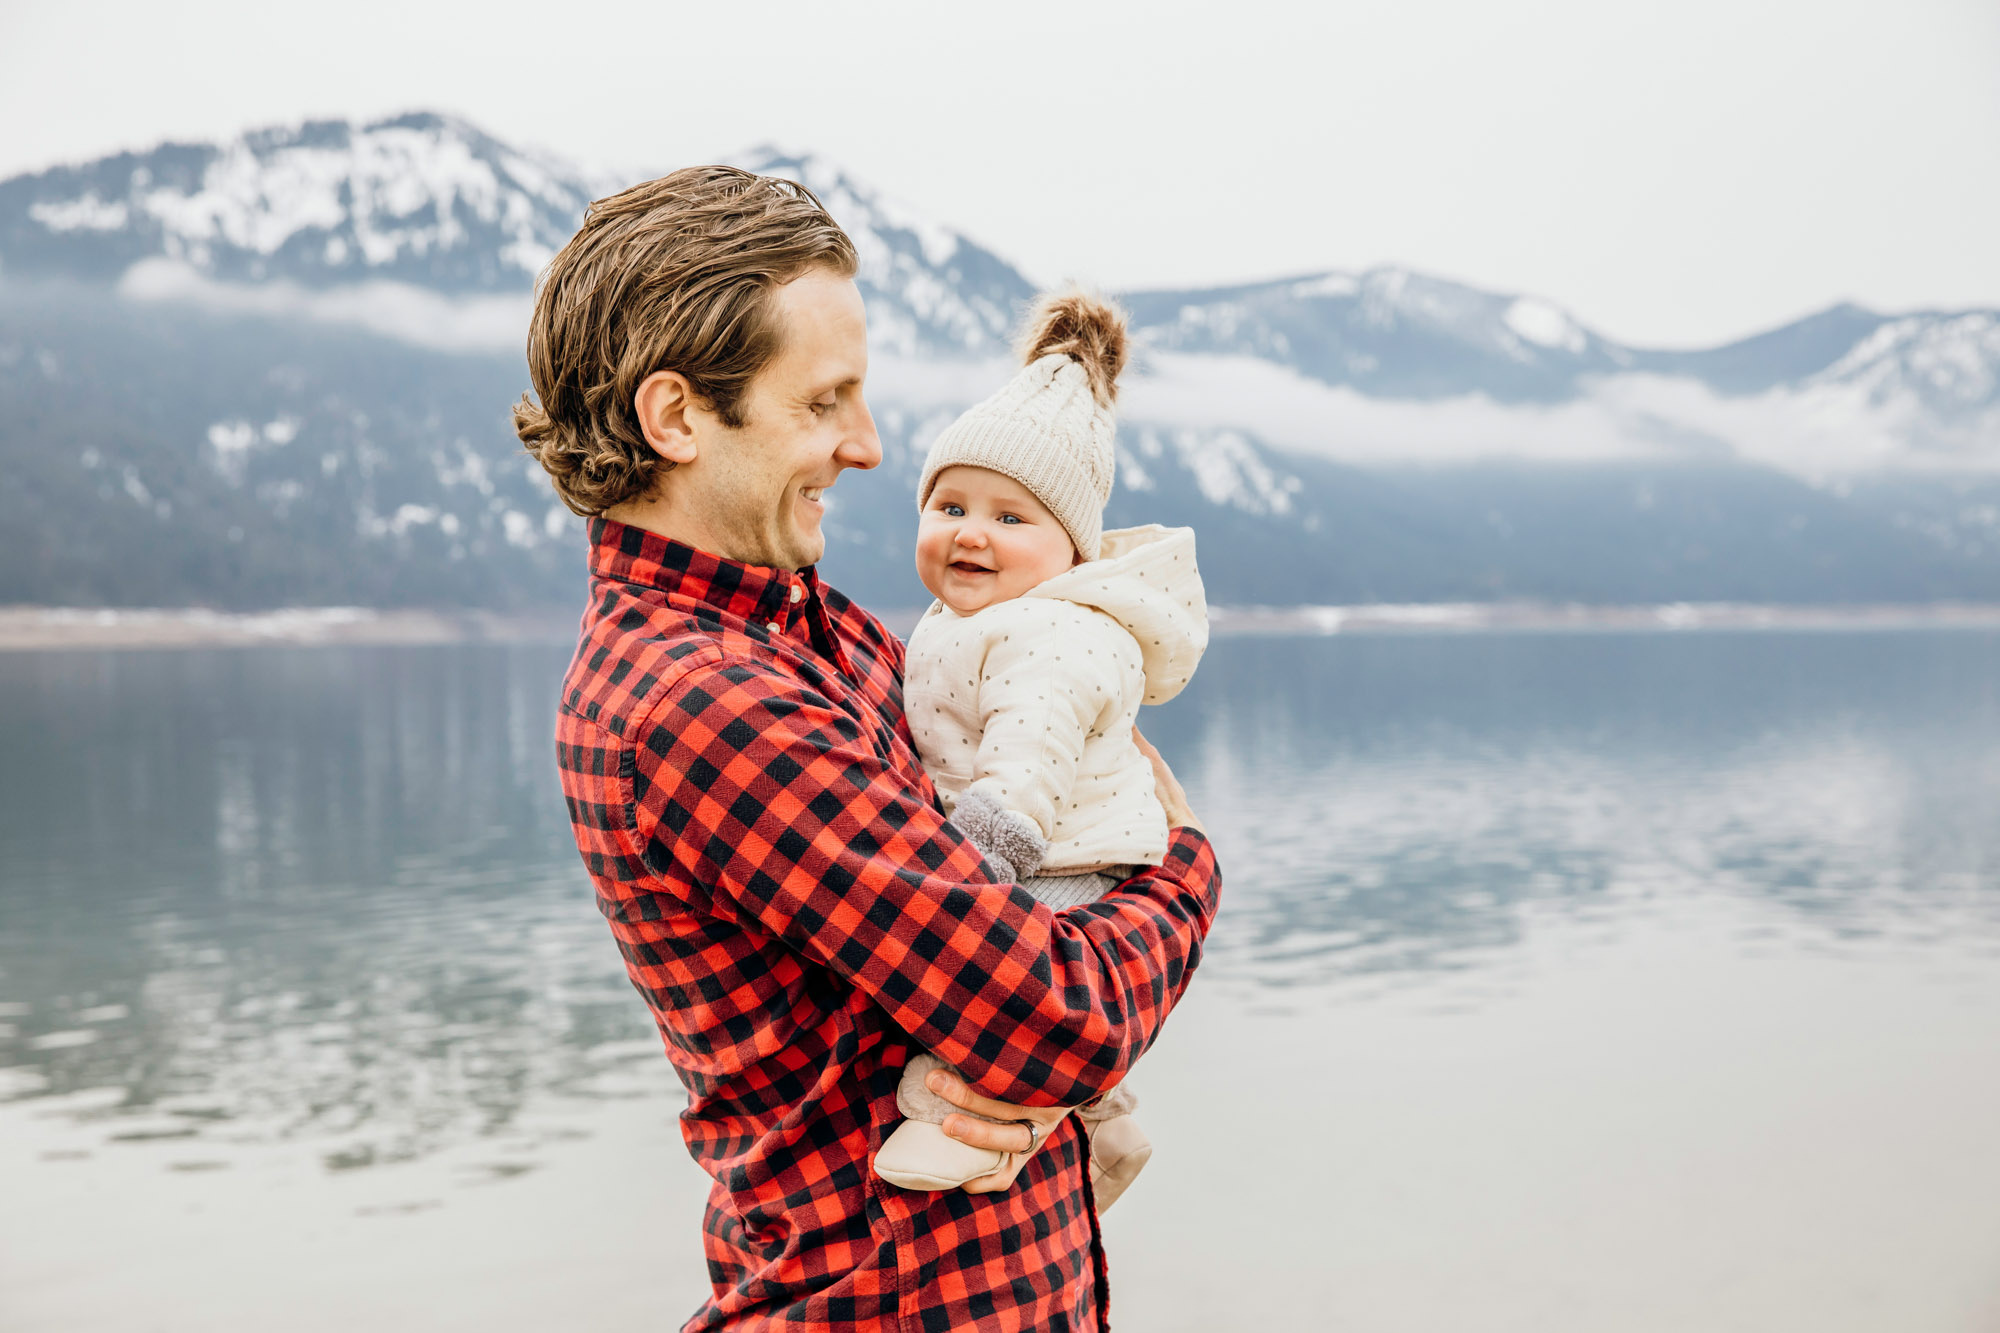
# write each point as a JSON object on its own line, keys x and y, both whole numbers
{"x": 1674, "y": 173}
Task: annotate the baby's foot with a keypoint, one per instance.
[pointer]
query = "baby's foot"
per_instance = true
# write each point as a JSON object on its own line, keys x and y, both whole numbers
{"x": 921, "y": 1156}
{"x": 1119, "y": 1151}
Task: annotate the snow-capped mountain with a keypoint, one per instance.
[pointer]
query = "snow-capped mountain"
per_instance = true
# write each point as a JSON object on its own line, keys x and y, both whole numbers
{"x": 1942, "y": 366}
{"x": 929, "y": 289}
{"x": 224, "y": 361}
{"x": 431, "y": 202}
{"x": 405, "y": 224}
{"x": 1387, "y": 333}
{"x": 422, "y": 198}
{"x": 1844, "y": 388}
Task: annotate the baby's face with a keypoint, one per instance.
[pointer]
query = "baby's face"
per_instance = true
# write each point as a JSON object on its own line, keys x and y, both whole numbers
{"x": 985, "y": 538}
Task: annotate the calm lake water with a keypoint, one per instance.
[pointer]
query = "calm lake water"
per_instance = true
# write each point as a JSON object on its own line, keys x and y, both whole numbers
{"x": 1573, "y": 981}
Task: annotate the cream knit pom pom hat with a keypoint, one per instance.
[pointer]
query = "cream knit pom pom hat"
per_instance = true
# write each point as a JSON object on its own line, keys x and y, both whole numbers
{"x": 1051, "y": 427}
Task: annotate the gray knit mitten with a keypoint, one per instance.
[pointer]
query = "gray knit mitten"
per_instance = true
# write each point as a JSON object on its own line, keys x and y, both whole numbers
{"x": 1008, "y": 839}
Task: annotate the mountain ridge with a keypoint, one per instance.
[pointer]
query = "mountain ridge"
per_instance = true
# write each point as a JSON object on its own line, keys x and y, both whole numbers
{"x": 432, "y": 200}
{"x": 235, "y": 387}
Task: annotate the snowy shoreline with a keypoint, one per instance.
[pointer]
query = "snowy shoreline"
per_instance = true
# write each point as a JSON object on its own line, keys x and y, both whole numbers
{"x": 1466, "y": 617}
{"x": 26, "y": 628}
{"x": 30, "y": 628}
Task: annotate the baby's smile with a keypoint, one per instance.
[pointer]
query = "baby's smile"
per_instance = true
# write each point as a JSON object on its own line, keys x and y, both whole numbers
{"x": 984, "y": 539}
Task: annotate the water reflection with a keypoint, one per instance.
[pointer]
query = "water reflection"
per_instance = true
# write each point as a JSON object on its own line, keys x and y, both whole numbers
{"x": 278, "y": 893}
{"x": 1392, "y": 804}
{"x": 330, "y": 893}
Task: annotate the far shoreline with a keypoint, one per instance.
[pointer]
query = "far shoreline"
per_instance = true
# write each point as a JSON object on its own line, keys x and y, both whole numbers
{"x": 35, "y": 628}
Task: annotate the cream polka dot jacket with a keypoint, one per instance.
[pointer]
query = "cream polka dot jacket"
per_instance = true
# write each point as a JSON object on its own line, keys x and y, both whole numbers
{"x": 1031, "y": 702}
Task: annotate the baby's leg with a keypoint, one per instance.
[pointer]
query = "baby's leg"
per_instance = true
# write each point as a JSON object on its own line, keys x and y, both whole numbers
{"x": 919, "y": 1155}
{"x": 1060, "y": 891}
{"x": 1119, "y": 1149}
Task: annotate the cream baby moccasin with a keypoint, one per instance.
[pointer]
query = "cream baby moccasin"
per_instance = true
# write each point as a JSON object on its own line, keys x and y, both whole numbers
{"x": 921, "y": 1156}
{"x": 1119, "y": 1151}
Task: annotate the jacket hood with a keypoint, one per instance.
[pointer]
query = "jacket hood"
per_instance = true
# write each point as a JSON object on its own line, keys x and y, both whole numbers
{"x": 1145, "y": 579}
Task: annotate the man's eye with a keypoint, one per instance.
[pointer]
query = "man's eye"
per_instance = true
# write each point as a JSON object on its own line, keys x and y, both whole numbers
{"x": 821, "y": 409}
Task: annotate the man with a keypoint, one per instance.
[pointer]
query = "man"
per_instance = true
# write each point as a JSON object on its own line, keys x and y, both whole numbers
{"x": 763, "y": 841}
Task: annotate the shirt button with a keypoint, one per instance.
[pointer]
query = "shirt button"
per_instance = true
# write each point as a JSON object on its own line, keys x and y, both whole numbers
{"x": 798, "y": 592}
{"x": 776, "y": 628}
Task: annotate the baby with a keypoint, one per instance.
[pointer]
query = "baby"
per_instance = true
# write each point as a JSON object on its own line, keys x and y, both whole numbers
{"x": 1022, "y": 681}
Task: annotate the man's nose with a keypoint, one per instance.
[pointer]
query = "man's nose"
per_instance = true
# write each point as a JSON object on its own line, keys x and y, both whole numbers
{"x": 861, "y": 446}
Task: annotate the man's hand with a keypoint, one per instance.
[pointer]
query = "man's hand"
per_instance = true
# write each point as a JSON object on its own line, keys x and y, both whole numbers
{"x": 1014, "y": 1140}
{"x": 1172, "y": 797}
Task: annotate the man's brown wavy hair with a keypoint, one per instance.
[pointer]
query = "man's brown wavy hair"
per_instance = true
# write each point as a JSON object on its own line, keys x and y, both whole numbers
{"x": 675, "y": 274}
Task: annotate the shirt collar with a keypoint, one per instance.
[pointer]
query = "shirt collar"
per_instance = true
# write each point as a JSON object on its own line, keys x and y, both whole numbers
{"x": 783, "y": 602}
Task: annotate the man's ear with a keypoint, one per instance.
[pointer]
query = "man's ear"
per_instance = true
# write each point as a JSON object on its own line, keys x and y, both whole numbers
{"x": 663, "y": 403}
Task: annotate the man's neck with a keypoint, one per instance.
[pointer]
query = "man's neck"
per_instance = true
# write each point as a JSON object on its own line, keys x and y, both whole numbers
{"x": 664, "y": 519}
{"x": 655, "y": 516}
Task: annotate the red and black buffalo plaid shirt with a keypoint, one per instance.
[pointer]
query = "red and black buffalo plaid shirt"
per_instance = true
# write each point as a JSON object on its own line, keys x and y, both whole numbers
{"x": 801, "y": 918}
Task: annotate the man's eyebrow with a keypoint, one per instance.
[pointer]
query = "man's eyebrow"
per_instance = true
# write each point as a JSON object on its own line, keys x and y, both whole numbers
{"x": 824, "y": 385}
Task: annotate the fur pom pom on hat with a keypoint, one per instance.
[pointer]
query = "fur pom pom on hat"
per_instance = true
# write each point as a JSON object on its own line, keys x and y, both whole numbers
{"x": 1051, "y": 427}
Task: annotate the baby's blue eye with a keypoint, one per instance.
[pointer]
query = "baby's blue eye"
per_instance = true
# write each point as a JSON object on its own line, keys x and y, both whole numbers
{"x": 953, "y": 511}
{"x": 1010, "y": 518}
